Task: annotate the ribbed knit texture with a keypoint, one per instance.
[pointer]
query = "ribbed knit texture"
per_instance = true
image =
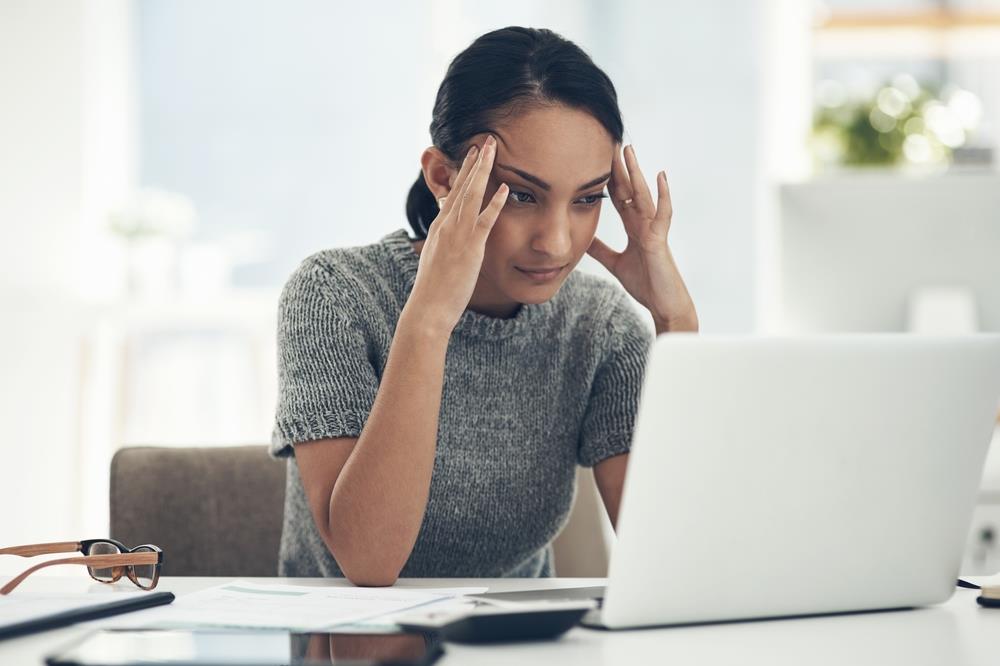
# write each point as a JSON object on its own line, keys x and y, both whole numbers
{"x": 525, "y": 399}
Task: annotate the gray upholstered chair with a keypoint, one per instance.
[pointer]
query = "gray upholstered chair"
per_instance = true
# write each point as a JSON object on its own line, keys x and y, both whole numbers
{"x": 582, "y": 549}
{"x": 217, "y": 511}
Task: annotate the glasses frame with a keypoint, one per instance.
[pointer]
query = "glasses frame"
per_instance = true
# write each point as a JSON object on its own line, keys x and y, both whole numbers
{"x": 121, "y": 564}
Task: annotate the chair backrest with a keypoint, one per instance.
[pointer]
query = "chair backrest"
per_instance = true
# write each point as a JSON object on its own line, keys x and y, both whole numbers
{"x": 215, "y": 511}
{"x": 582, "y": 549}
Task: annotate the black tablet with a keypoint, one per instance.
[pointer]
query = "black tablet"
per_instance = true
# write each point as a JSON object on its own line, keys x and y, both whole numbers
{"x": 116, "y": 647}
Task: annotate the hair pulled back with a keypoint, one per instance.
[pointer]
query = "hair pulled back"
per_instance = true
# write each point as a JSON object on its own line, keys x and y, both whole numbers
{"x": 501, "y": 74}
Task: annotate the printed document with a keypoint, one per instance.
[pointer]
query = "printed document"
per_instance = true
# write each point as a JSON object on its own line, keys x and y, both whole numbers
{"x": 246, "y": 604}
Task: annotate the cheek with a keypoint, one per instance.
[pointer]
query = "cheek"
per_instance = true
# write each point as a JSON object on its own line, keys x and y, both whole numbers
{"x": 588, "y": 226}
{"x": 502, "y": 246}
{"x": 583, "y": 234}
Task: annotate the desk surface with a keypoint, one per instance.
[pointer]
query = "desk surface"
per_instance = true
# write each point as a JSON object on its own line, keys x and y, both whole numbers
{"x": 955, "y": 633}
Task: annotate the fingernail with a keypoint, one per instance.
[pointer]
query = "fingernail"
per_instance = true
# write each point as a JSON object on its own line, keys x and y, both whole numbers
{"x": 472, "y": 152}
{"x": 490, "y": 140}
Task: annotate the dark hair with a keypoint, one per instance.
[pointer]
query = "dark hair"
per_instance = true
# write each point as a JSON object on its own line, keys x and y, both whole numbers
{"x": 501, "y": 74}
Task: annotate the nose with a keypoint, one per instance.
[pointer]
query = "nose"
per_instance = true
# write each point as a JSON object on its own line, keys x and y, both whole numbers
{"x": 551, "y": 237}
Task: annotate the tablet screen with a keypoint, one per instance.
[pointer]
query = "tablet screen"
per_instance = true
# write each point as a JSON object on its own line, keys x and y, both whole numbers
{"x": 273, "y": 648}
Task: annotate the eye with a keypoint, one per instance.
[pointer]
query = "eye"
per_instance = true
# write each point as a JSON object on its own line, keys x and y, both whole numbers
{"x": 588, "y": 201}
{"x": 517, "y": 196}
{"x": 594, "y": 199}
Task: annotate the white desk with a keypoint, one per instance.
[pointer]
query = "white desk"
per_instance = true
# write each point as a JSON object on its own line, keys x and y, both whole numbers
{"x": 955, "y": 633}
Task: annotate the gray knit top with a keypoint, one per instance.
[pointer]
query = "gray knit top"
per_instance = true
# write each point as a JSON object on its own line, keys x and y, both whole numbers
{"x": 524, "y": 400}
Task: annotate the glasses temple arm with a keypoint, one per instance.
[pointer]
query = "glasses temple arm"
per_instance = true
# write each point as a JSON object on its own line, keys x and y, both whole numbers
{"x": 42, "y": 549}
{"x": 102, "y": 561}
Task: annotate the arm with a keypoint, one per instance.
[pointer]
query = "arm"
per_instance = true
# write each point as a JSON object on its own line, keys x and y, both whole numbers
{"x": 368, "y": 494}
{"x": 610, "y": 477}
{"x": 685, "y": 324}
{"x": 610, "y": 472}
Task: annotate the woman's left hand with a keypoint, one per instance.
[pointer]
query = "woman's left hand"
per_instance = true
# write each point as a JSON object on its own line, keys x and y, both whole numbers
{"x": 646, "y": 268}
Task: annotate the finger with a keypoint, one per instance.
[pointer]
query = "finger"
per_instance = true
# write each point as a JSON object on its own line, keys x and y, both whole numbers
{"x": 490, "y": 214}
{"x": 641, "y": 197}
{"x": 465, "y": 192}
{"x": 604, "y": 254}
{"x": 619, "y": 186}
{"x": 664, "y": 206}
{"x": 471, "y": 202}
{"x": 463, "y": 173}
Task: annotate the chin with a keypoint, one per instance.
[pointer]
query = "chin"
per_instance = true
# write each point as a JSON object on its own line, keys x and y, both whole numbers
{"x": 536, "y": 294}
{"x": 535, "y": 299}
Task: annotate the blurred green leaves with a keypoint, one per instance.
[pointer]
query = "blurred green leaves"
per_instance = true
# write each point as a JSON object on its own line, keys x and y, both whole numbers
{"x": 901, "y": 122}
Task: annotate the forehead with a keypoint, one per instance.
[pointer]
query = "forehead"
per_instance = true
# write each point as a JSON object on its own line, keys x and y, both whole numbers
{"x": 562, "y": 146}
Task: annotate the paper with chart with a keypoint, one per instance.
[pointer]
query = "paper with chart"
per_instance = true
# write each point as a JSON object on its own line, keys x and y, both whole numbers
{"x": 292, "y": 607}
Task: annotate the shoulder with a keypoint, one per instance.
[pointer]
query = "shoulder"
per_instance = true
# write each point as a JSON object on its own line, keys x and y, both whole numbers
{"x": 337, "y": 289}
{"x": 601, "y": 303}
{"x": 343, "y": 276}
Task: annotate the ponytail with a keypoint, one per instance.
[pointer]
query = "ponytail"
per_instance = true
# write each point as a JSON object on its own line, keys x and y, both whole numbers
{"x": 421, "y": 206}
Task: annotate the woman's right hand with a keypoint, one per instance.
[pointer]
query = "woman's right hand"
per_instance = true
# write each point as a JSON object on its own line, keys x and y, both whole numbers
{"x": 452, "y": 255}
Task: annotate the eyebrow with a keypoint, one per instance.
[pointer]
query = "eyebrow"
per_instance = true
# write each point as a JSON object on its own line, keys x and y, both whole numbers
{"x": 545, "y": 186}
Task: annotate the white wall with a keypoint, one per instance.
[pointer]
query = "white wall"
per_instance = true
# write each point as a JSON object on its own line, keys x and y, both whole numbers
{"x": 688, "y": 77}
{"x": 40, "y": 128}
{"x": 61, "y": 113}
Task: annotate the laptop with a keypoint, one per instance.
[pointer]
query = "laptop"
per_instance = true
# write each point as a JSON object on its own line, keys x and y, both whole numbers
{"x": 774, "y": 477}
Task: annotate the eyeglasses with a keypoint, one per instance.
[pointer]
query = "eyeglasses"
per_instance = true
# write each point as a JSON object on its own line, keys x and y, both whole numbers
{"x": 106, "y": 559}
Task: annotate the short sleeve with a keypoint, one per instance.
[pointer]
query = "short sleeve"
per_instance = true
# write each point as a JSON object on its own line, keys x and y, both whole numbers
{"x": 609, "y": 421}
{"x": 327, "y": 381}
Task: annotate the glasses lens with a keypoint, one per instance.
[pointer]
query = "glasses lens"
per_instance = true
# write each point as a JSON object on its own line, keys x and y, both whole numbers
{"x": 106, "y": 574}
{"x": 144, "y": 573}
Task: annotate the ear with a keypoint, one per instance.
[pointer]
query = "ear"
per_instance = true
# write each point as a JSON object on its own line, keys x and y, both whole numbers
{"x": 439, "y": 173}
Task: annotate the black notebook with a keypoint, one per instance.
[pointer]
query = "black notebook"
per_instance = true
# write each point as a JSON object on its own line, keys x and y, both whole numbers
{"x": 89, "y": 612}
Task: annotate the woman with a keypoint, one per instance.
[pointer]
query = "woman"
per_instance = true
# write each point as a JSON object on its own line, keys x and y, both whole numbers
{"x": 437, "y": 393}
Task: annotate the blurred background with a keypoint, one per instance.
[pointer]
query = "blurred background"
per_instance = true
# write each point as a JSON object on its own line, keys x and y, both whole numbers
{"x": 165, "y": 165}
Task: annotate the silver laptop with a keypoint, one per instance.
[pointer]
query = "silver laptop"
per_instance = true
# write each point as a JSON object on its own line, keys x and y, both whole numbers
{"x": 789, "y": 476}
{"x": 792, "y": 476}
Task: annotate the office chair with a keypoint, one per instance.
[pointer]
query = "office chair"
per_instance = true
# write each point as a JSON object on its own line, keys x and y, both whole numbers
{"x": 217, "y": 511}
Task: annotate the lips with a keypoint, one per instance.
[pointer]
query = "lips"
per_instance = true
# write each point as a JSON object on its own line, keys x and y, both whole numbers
{"x": 542, "y": 269}
{"x": 541, "y": 274}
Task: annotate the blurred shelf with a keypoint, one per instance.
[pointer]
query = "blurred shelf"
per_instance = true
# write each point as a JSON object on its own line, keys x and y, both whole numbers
{"x": 941, "y": 19}
{"x": 940, "y": 34}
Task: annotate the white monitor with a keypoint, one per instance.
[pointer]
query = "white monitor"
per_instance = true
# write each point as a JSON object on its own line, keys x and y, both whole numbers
{"x": 855, "y": 248}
